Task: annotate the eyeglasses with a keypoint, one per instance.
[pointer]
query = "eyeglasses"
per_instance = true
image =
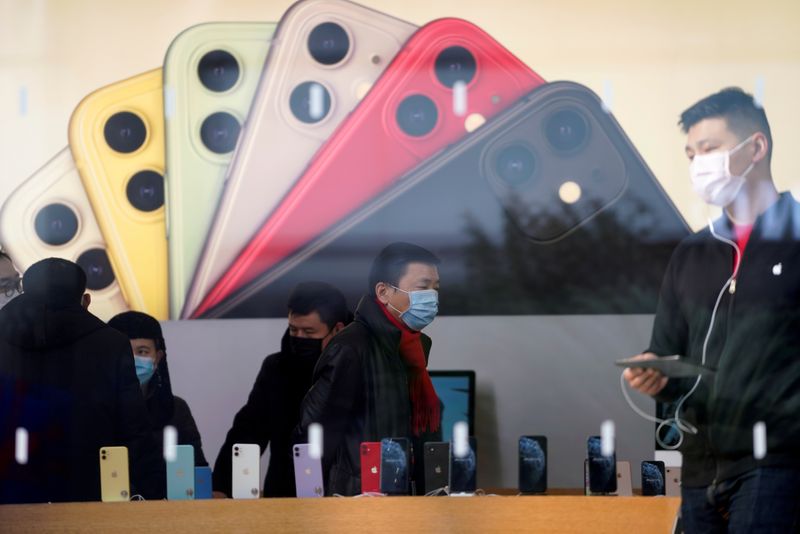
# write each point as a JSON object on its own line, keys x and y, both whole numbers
{"x": 11, "y": 285}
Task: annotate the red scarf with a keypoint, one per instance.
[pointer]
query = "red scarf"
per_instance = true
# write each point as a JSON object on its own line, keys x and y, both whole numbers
{"x": 425, "y": 407}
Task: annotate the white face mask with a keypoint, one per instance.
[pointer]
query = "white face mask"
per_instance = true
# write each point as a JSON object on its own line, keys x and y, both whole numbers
{"x": 712, "y": 178}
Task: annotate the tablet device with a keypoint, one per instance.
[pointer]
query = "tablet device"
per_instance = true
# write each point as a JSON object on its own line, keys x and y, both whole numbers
{"x": 673, "y": 366}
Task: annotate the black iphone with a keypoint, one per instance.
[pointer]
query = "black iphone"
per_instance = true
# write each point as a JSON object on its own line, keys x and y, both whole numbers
{"x": 532, "y": 464}
{"x": 602, "y": 469}
{"x": 395, "y": 465}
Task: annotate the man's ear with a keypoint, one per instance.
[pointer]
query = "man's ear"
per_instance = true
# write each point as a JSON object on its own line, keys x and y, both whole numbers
{"x": 159, "y": 356}
{"x": 761, "y": 143}
{"x": 86, "y": 299}
{"x": 382, "y": 292}
{"x": 337, "y": 328}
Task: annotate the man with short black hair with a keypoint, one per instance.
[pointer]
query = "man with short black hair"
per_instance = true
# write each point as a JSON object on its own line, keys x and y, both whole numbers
{"x": 150, "y": 357}
{"x": 372, "y": 382}
{"x": 317, "y": 312}
{"x": 731, "y": 300}
{"x": 69, "y": 380}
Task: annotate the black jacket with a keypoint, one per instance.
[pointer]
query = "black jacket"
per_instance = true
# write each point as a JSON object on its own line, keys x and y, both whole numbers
{"x": 360, "y": 393}
{"x": 165, "y": 408}
{"x": 269, "y": 418}
{"x": 754, "y": 345}
{"x": 69, "y": 379}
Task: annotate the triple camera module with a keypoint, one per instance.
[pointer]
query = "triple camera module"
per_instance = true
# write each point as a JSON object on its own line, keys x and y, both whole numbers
{"x": 417, "y": 114}
{"x": 125, "y": 132}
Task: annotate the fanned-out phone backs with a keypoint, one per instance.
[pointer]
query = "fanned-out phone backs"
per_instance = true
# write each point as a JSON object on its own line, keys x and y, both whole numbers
{"x": 491, "y": 208}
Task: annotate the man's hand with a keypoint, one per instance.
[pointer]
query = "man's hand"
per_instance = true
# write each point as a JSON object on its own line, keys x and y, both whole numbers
{"x": 218, "y": 495}
{"x": 647, "y": 381}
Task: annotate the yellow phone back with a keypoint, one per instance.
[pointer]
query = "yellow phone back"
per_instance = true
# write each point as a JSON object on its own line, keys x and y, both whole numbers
{"x": 114, "y": 479}
{"x": 116, "y": 135}
{"x": 49, "y": 215}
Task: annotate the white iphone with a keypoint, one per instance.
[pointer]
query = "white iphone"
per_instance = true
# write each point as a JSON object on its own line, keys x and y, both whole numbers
{"x": 246, "y": 470}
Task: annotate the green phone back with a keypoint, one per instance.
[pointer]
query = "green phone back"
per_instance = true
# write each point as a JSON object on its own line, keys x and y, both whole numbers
{"x": 195, "y": 169}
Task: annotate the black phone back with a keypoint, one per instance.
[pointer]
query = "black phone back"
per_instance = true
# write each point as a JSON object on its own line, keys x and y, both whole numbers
{"x": 546, "y": 209}
{"x": 437, "y": 465}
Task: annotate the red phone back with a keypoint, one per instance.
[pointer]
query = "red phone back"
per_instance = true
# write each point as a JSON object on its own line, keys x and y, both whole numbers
{"x": 369, "y": 151}
{"x": 370, "y": 467}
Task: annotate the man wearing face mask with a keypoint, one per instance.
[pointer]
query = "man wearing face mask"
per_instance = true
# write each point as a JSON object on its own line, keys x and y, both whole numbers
{"x": 372, "y": 381}
{"x": 150, "y": 358}
{"x": 317, "y": 312}
{"x": 9, "y": 279}
{"x": 731, "y": 300}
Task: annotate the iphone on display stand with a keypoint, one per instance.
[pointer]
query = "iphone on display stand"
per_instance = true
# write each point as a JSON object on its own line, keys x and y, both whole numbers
{"x": 436, "y": 460}
{"x": 307, "y": 473}
{"x": 180, "y": 474}
{"x": 395, "y": 466}
{"x": 114, "y": 478}
{"x": 464, "y": 471}
{"x": 246, "y": 471}
{"x": 532, "y": 464}
{"x": 370, "y": 467}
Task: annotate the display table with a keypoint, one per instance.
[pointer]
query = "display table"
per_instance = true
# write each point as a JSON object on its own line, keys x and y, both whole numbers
{"x": 366, "y": 514}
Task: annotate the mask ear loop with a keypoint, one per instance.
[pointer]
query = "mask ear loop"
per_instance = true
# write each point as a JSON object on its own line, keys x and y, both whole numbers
{"x": 675, "y": 421}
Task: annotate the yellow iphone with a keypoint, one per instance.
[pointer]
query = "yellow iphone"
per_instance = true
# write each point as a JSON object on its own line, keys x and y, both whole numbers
{"x": 49, "y": 215}
{"x": 114, "y": 481}
{"x": 116, "y": 135}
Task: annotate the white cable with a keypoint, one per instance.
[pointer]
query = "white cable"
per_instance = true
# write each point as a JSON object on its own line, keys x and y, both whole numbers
{"x": 683, "y": 426}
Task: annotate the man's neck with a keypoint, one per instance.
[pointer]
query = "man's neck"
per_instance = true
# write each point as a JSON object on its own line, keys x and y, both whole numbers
{"x": 753, "y": 200}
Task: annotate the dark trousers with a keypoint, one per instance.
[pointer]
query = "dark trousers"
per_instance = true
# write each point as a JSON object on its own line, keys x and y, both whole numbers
{"x": 766, "y": 499}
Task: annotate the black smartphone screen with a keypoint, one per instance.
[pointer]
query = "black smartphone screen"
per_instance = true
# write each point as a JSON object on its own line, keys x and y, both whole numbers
{"x": 653, "y": 478}
{"x": 546, "y": 209}
{"x": 464, "y": 470}
{"x": 394, "y": 466}
{"x": 602, "y": 469}
{"x": 533, "y": 464}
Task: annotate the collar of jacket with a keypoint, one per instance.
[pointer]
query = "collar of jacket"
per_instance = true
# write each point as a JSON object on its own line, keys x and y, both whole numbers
{"x": 780, "y": 222}
{"x": 386, "y": 334}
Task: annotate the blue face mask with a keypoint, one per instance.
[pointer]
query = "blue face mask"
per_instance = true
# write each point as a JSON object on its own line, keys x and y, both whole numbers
{"x": 422, "y": 309}
{"x": 145, "y": 367}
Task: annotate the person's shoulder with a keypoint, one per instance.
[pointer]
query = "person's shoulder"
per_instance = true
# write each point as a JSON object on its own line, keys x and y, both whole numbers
{"x": 354, "y": 337}
{"x": 181, "y": 406}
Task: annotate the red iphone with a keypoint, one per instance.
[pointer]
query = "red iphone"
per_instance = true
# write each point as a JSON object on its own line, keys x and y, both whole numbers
{"x": 447, "y": 79}
{"x": 370, "y": 467}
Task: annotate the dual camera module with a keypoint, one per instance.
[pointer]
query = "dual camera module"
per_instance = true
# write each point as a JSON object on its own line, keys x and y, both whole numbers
{"x": 125, "y": 132}
{"x": 56, "y": 225}
{"x": 417, "y": 114}
{"x": 328, "y": 44}
{"x": 219, "y": 71}
{"x": 566, "y": 131}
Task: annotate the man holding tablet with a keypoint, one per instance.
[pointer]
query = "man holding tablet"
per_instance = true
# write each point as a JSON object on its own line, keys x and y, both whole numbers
{"x": 730, "y": 301}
